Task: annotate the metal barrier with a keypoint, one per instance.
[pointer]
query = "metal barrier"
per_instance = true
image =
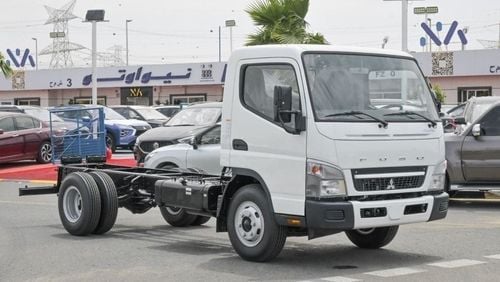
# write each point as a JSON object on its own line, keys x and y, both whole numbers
{"x": 84, "y": 136}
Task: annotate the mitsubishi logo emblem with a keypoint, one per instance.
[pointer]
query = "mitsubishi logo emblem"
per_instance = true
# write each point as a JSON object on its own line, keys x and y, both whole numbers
{"x": 391, "y": 185}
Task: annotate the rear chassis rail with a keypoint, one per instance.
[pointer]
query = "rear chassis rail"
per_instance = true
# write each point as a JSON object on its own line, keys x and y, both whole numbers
{"x": 140, "y": 189}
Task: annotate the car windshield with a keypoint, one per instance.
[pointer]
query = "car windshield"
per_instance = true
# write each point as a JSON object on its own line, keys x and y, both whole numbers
{"x": 475, "y": 111}
{"x": 112, "y": 114}
{"x": 43, "y": 115}
{"x": 168, "y": 112}
{"x": 387, "y": 88}
{"x": 195, "y": 116}
{"x": 148, "y": 114}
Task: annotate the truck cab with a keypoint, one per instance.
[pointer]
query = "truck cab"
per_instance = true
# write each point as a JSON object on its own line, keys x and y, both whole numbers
{"x": 336, "y": 139}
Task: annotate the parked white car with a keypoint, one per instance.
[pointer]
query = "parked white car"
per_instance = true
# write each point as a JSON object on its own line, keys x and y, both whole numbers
{"x": 201, "y": 152}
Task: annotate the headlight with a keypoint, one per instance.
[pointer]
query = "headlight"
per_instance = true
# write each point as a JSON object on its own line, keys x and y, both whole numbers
{"x": 126, "y": 131}
{"x": 324, "y": 181}
{"x": 438, "y": 177}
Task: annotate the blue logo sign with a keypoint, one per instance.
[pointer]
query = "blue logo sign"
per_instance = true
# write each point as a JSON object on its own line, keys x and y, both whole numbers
{"x": 20, "y": 60}
{"x": 449, "y": 35}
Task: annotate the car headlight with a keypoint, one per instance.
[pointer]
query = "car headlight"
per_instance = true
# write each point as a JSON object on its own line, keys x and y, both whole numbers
{"x": 323, "y": 181}
{"x": 438, "y": 177}
{"x": 126, "y": 131}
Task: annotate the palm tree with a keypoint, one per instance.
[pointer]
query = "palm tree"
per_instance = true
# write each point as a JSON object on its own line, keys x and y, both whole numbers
{"x": 281, "y": 22}
{"x": 4, "y": 67}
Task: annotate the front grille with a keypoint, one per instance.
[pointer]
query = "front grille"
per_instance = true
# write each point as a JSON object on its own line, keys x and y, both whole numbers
{"x": 414, "y": 179}
{"x": 148, "y": 146}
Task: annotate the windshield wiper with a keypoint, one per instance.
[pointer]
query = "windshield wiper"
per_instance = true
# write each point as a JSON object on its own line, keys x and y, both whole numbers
{"x": 410, "y": 113}
{"x": 353, "y": 113}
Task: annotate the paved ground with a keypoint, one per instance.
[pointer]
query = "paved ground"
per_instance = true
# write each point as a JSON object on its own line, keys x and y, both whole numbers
{"x": 34, "y": 246}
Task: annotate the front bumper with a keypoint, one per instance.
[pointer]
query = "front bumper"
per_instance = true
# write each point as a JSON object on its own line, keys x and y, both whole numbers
{"x": 350, "y": 215}
{"x": 126, "y": 140}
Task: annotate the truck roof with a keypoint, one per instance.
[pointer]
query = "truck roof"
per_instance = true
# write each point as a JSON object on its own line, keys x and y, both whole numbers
{"x": 295, "y": 50}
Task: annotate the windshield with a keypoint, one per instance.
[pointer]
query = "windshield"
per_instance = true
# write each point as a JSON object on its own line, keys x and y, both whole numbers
{"x": 195, "y": 116}
{"x": 376, "y": 85}
{"x": 148, "y": 114}
{"x": 475, "y": 111}
{"x": 43, "y": 115}
{"x": 112, "y": 114}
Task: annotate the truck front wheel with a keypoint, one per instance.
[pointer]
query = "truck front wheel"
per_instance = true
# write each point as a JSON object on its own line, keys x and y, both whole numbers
{"x": 252, "y": 229}
{"x": 372, "y": 238}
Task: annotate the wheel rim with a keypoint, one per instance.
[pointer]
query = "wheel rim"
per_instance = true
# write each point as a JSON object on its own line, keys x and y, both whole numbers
{"x": 46, "y": 152}
{"x": 173, "y": 210}
{"x": 249, "y": 224}
{"x": 365, "y": 231}
{"x": 72, "y": 204}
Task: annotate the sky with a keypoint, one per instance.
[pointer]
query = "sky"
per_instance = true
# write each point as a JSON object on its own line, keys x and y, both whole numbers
{"x": 165, "y": 31}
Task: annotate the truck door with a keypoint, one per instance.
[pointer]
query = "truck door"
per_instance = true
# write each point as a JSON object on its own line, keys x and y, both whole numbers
{"x": 481, "y": 155}
{"x": 259, "y": 143}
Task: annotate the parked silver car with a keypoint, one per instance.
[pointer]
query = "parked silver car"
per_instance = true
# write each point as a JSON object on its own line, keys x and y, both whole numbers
{"x": 200, "y": 151}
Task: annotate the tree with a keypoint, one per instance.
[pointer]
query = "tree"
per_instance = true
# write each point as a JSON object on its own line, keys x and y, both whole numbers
{"x": 281, "y": 22}
{"x": 4, "y": 67}
{"x": 439, "y": 93}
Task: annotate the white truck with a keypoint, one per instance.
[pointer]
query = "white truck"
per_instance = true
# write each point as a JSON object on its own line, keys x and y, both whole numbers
{"x": 315, "y": 140}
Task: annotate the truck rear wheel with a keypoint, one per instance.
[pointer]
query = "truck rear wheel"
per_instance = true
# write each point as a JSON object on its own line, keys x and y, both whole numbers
{"x": 372, "y": 238}
{"x": 252, "y": 229}
{"x": 177, "y": 217}
{"x": 109, "y": 202}
{"x": 79, "y": 203}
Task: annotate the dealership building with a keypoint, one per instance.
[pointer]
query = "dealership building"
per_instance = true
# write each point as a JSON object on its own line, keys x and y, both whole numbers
{"x": 133, "y": 85}
{"x": 461, "y": 75}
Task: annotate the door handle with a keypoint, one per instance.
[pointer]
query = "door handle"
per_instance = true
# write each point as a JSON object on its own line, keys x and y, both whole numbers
{"x": 240, "y": 145}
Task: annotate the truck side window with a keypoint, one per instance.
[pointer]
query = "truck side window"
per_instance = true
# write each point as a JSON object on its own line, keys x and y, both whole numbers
{"x": 490, "y": 123}
{"x": 258, "y": 87}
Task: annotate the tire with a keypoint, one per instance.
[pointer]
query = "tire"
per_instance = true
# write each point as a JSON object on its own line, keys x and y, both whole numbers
{"x": 44, "y": 153}
{"x": 110, "y": 142}
{"x": 79, "y": 203}
{"x": 200, "y": 220}
{"x": 109, "y": 202}
{"x": 252, "y": 229}
{"x": 177, "y": 217}
{"x": 373, "y": 238}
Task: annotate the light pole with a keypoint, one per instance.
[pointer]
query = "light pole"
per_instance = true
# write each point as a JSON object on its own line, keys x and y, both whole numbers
{"x": 126, "y": 39}
{"x": 230, "y": 24}
{"x": 94, "y": 16}
{"x": 219, "y": 42}
{"x": 36, "y": 51}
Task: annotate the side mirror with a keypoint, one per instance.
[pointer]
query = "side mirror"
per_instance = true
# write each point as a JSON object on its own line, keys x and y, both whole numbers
{"x": 194, "y": 141}
{"x": 282, "y": 104}
{"x": 476, "y": 130}
{"x": 460, "y": 120}
{"x": 1, "y": 131}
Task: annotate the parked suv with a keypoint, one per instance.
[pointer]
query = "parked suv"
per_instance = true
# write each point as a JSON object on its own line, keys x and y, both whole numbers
{"x": 147, "y": 114}
{"x": 473, "y": 153}
{"x": 183, "y": 124}
{"x": 120, "y": 132}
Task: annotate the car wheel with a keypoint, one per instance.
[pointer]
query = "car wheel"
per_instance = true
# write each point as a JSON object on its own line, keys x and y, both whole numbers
{"x": 372, "y": 238}
{"x": 44, "y": 153}
{"x": 110, "y": 142}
